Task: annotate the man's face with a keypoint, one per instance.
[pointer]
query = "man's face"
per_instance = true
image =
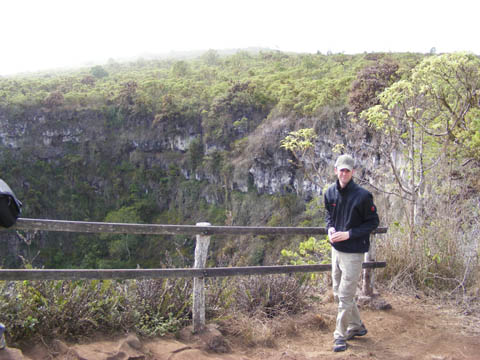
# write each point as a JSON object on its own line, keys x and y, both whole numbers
{"x": 344, "y": 176}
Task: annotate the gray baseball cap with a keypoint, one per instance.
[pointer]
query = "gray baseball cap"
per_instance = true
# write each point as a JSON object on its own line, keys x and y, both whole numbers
{"x": 345, "y": 162}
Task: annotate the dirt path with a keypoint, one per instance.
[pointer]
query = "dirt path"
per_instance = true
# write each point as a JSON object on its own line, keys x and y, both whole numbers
{"x": 410, "y": 330}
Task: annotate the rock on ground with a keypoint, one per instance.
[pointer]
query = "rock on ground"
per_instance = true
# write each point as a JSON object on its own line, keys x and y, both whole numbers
{"x": 12, "y": 354}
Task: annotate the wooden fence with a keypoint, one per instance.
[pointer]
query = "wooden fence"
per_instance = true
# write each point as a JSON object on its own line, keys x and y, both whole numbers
{"x": 199, "y": 272}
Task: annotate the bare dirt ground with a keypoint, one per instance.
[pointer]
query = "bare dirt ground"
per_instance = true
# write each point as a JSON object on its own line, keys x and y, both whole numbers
{"x": 412, "y": 329}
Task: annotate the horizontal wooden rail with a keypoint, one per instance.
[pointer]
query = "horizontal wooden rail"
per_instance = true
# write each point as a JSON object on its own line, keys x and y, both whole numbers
{"x": 156, "y": 229}
{"x": 91, "y": 274}
{"x": 203, "y": 231}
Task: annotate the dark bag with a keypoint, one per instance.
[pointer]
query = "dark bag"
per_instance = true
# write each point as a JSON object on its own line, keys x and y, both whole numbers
{"x": 10, "y": 206}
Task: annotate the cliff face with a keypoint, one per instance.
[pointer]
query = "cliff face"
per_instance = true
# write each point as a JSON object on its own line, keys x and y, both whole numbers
{"x": 85, "y": 164}
{"x": 51, "y": 136}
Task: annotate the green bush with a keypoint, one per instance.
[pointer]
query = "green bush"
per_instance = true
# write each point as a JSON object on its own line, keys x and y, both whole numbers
{"x": 78, "y": 309}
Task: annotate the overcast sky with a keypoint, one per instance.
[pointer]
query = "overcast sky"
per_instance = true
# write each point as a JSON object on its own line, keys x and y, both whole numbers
{"x": 47, "y": 34}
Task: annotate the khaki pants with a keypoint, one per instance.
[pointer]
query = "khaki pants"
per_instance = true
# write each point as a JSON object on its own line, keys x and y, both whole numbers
{"x": 346, "y": 272}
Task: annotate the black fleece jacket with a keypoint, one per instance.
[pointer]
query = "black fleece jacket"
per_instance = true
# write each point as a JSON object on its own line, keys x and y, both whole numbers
{"x": 351, "y": 209}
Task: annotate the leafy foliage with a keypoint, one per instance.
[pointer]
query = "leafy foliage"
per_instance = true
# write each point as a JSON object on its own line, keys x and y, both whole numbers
{"x": 427, "y": 118}
{"x": 311, "y": 251}
{"x": 370, "y": 82}
{"x": 421, "y": 124}
{"x": 301, "y": 144}
{"x": 72, "y": 309}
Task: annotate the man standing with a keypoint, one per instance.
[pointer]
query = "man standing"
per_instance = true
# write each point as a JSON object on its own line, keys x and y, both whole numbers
{"x": 350, "y": 218}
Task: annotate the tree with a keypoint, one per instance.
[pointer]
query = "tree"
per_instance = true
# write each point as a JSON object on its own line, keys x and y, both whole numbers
{"x": 211, "y": 57}
{"x": 300, "y": 144}
{"x": 98, "y": 72}
{"x": 122, "y": 248}
{"x": 425, "y": 121}
{"x": 180, "y": 68}
{"x": 451, "y": 85}
{"x": 54, "y": 99}
{"x": 370, "y": 82}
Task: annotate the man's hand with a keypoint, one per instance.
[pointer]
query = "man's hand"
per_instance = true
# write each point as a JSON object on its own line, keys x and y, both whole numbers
{"x": 338, "y": 236}
{"x": 331, "y": 231}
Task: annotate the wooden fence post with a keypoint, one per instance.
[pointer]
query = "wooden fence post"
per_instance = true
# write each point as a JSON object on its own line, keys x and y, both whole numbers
{"x": 368, "y": 274}
{"x": 201, "y": 250}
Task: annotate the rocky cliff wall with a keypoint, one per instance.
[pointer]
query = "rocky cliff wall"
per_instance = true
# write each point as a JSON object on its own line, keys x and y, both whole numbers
{"x": 258, "y": 158}
{"x": 85, "y": 164}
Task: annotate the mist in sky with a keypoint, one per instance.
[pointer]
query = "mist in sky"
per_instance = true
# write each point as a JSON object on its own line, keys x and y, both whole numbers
{"x": 49, "y": 34}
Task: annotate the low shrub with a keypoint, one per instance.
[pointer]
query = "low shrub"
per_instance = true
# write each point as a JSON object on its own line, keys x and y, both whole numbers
{"x": 75, "y": 309}
{"x": 271, "y": 295}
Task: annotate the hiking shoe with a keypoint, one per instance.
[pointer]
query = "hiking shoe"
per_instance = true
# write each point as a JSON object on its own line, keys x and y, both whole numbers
{"x": 340, "y": 345}
{"x": 358, "y": 332}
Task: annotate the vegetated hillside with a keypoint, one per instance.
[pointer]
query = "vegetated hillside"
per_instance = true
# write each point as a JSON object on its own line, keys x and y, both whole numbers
{"x": 182, "y": 141}
{"x": 161, "y": 142}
